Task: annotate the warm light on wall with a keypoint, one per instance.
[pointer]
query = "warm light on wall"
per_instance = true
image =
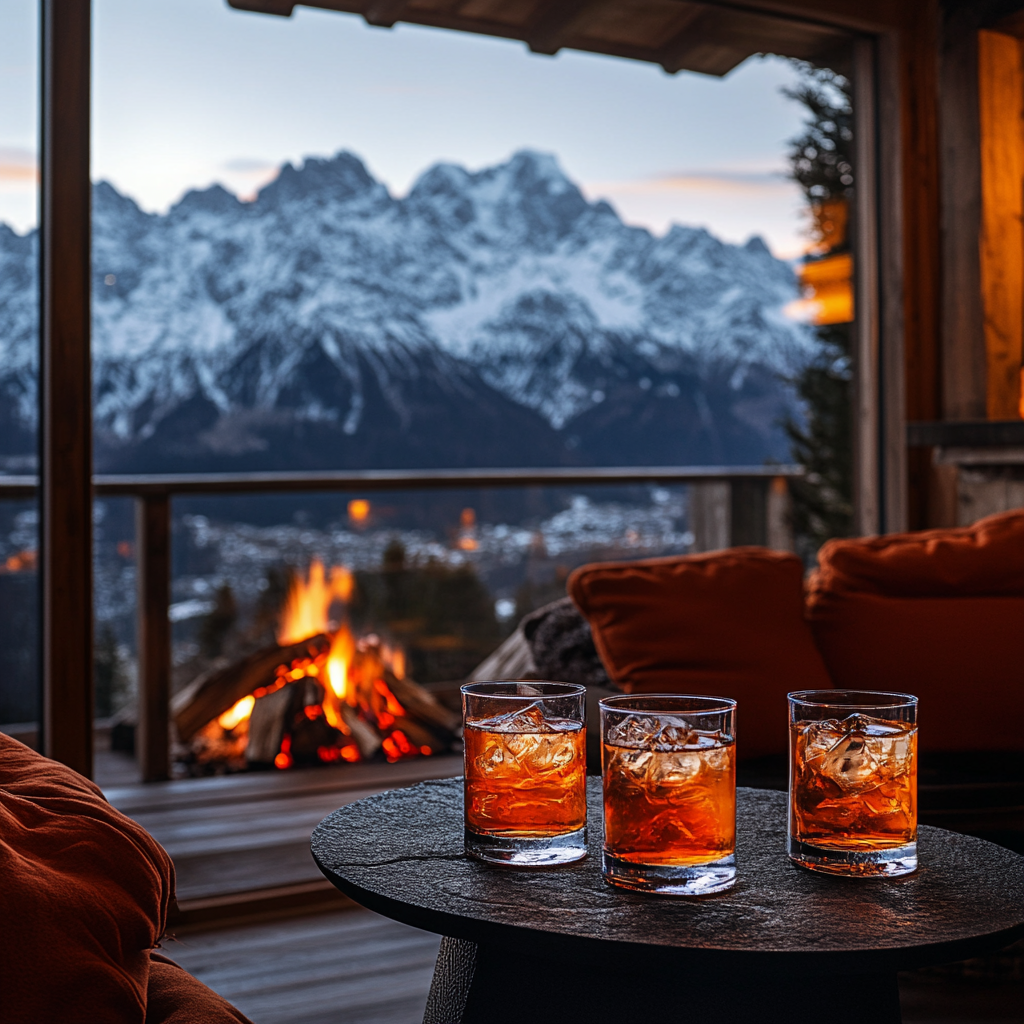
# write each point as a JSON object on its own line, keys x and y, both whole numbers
{"x": 1001, "y": 96}
{"x": 828, "y": 291}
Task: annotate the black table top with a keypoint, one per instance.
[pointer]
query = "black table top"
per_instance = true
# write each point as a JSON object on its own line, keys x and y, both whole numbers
{"x": 401, "y": 854}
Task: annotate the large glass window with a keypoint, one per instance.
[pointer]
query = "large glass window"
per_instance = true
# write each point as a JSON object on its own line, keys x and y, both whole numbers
{"x": 319, "y": 245}
{"x": 19, "y": 618}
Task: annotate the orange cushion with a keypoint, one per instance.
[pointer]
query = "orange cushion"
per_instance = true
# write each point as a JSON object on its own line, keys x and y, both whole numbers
{"x": 728, "y": 624}
{"x": 83, "y": 897}
{"x": 175, "y": 997}
{"x": 938, "y": 614}
{"x": 983, "y": 560}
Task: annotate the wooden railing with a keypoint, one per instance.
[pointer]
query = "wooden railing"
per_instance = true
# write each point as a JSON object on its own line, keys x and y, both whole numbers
{"x": 729, "y": 505}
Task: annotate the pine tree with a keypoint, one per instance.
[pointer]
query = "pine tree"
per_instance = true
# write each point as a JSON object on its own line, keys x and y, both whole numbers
{"x": 821, "y": 162}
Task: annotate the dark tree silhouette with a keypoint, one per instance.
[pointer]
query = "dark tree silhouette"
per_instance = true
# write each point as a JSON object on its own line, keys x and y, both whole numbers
{"x": 821, "y": 162}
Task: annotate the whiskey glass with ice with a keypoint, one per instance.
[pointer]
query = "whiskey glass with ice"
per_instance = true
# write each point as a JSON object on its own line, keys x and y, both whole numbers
{"x": 526, "y": 772}
{"x": 669, "y": 770}
{"x": 853, "y": 782}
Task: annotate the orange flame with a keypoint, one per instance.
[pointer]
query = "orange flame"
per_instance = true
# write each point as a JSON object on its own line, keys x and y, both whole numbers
{"x": 353, "y": 675}
{"x": 308, "y": 604}
{"x": 343, "y": 649}
{"x": 237, "y": 713}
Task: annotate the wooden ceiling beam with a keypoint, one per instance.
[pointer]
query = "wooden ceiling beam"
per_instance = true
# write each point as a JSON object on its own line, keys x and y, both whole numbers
{"x": 714, "y": 38}
{"x": 384, "y": 13}
{"x": 282, "y": 8}
{"x": 547, "y": 33}
{"x": 719, "y": 38}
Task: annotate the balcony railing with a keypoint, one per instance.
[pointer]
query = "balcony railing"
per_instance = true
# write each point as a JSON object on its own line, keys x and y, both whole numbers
{"x": 729, "y": 505}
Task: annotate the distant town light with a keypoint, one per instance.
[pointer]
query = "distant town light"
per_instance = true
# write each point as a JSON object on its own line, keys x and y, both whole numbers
{"x": 358, "y": 511}
{"x": 110, "y": 280}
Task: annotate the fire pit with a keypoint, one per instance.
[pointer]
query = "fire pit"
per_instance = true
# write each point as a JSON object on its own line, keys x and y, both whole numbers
{"x": 320, "y": 695}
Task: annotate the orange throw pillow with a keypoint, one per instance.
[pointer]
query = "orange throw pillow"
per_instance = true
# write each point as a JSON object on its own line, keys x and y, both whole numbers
{"x": 83, "y": 897}
{"x": 175, "y": 997}
{"x": 728, "y": 624}
{"x": 939, "y": 614}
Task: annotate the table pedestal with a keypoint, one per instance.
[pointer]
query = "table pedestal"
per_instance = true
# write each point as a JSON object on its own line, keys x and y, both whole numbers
{"x": 481, "y": 984}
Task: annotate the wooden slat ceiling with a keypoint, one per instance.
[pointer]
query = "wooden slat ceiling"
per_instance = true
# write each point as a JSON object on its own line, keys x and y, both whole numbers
{"x": 707, "y": 37}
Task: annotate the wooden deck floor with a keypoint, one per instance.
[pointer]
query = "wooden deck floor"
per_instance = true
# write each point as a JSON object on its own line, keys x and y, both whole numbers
{"x": 343, "y": 967}
{"x": 234, "y": 837}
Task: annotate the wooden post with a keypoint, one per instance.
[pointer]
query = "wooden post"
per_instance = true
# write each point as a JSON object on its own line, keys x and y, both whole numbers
{"x": 65, "y": 400}
{"x": 748, "y": 512}
{"x": 153, "y": 574}
{"x": 779, "y": 516}
{"x": 711, "y": 515}
{"x": 880, "y": 464}
{"x": 867, "y": 476}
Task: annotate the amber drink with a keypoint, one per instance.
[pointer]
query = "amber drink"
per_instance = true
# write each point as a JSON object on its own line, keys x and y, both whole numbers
{"x": 669, "y": 770}
{"x": 853, "y": 782}
{"x": 526, "y": 772}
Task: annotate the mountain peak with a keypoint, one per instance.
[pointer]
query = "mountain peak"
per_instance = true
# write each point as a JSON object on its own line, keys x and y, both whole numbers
{"x": 108, "y": 202}
{"x": 216, "y": 199}
{"x": 526, "y": 198}
{"x": 341, "y": 177}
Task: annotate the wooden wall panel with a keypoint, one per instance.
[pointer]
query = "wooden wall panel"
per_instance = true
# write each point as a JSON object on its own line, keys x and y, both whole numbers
{"x": 1001, "y": 106}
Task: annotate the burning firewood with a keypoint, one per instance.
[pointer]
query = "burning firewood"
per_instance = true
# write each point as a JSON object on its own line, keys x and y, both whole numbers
{"x": 331, "y": 697}
{"x": 267, "y": 725}
{"x": 424, "y": 705}
{"x": 366, "y": 737}
{"x": 213, "y": 693}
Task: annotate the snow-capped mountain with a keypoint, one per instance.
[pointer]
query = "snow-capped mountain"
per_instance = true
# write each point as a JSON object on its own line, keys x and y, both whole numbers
{"x": 489, "y": 318}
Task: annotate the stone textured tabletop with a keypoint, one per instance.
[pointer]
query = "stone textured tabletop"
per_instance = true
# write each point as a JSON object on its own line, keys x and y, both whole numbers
{"x": 400, "y": 854}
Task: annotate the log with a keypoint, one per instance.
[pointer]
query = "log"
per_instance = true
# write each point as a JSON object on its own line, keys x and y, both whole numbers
{"x": 366, "y": 737}
{"x": 266, "y": 726}
{"x": 512, "y": 660}
{"x": 422, "y": 704}
{"x": 212, "y": 693}
{"x": 420, "y": 736}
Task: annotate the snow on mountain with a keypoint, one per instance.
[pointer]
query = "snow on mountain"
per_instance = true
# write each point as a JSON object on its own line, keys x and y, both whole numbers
{"x": 489, "y": 317}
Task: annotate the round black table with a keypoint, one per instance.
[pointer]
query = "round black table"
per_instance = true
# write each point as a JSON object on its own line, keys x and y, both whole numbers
{"x": 562, "y": 945}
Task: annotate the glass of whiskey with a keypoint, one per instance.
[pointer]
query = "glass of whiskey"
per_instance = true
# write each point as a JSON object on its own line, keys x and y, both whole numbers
{"x": 669, "y": 770}
{"x": 853, "y": 782}
{"x": 526, "y": 772}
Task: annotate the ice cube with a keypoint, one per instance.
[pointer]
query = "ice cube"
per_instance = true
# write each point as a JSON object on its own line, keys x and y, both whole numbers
{"x": 630, "y": 762}
{"x": 675, "y": 734}
{"x": 637, "y": 733}
{"x": 528, "y": 719}
{"x": 521, "y": 745}
{"x": 819, "y": 738}
{"x": 865, "y": 754}
{"x": 891, "y": 743}
{"x": 550, "y": 753}
{"x": 718, "y": 758}
{"x": 851, "y": 764}
{"x": 497, "y": 760}
{"x": 671, "y": 769}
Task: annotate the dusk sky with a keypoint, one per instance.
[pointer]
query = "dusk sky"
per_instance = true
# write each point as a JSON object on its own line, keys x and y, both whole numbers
{"x": 189, "y": 92}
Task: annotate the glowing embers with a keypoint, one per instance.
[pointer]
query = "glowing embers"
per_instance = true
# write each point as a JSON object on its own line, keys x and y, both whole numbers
{"x": 343, "y": 699}
{"x": 337, "y": 704}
